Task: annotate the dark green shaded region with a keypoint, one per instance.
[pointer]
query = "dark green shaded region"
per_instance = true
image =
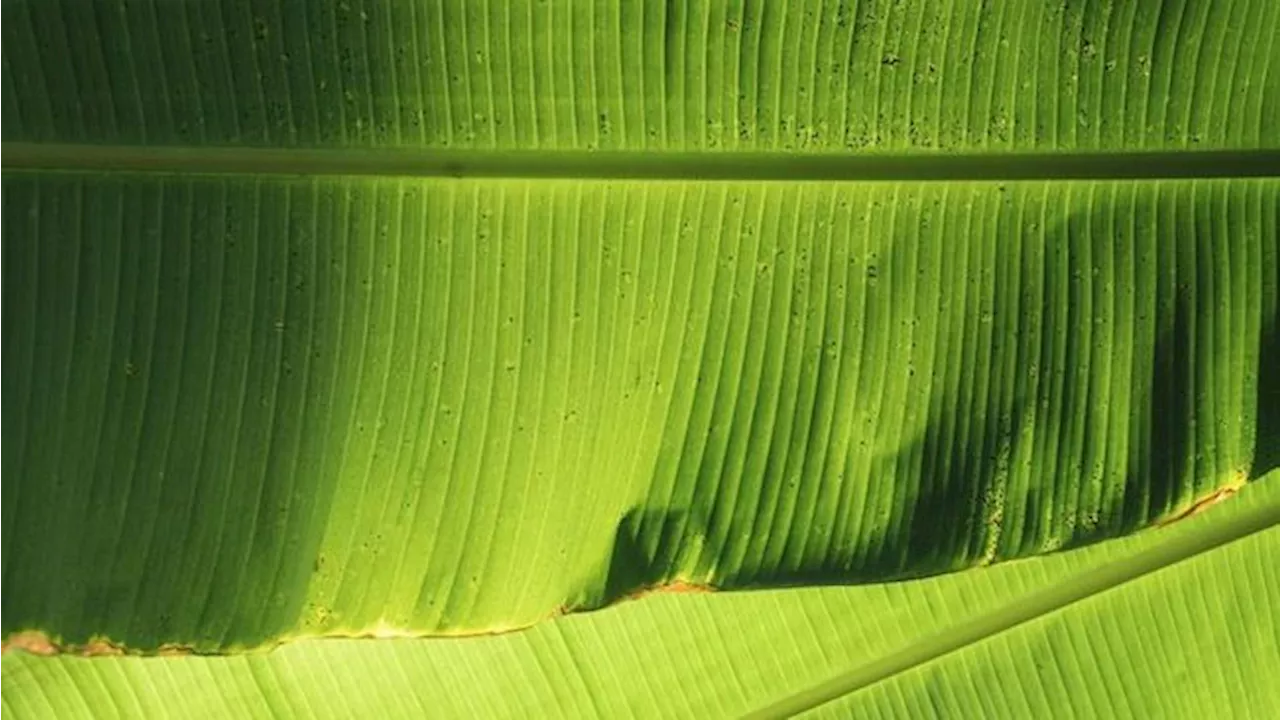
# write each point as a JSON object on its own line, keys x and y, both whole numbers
{"x": 1085, "y": 385}
{"x": 965, "y": 508}
{"x": 1170, "y": 416}
{"x": 625, "y": 165}
{"x": 1177, "y": 441}
{"x": 1267, "y": 457}
{"x": 154, "y": 408}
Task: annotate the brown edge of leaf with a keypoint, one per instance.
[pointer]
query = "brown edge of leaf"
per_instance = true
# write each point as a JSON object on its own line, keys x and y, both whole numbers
{"x": 678, "y": 587}
{"x": 1204, "y": 503}
{"x": 37, "y": 642}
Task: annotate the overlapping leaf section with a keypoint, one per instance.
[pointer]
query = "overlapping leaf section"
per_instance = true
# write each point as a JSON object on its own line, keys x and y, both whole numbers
{"x": 247, "y": 406}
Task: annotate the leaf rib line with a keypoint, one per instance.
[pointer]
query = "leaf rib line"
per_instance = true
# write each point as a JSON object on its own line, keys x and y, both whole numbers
{"x": 637, "y": 165}
{"x": 1039, "y": 604}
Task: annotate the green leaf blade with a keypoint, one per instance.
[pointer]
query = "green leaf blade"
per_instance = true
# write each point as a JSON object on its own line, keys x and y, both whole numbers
{"x": 291, "y": 407}
{"x": 707, "y": 77}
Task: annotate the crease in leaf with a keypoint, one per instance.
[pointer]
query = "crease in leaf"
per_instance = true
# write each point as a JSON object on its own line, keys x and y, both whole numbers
{"x": 629, "y": 165}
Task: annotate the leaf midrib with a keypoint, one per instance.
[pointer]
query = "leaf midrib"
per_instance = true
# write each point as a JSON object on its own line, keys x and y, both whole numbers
{"x": 1176, "y": 549}
{"x": 641, "y": 165}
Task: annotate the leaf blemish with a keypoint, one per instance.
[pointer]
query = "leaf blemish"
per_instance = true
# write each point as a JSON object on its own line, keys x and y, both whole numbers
{"x": 1203, "y": 504}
